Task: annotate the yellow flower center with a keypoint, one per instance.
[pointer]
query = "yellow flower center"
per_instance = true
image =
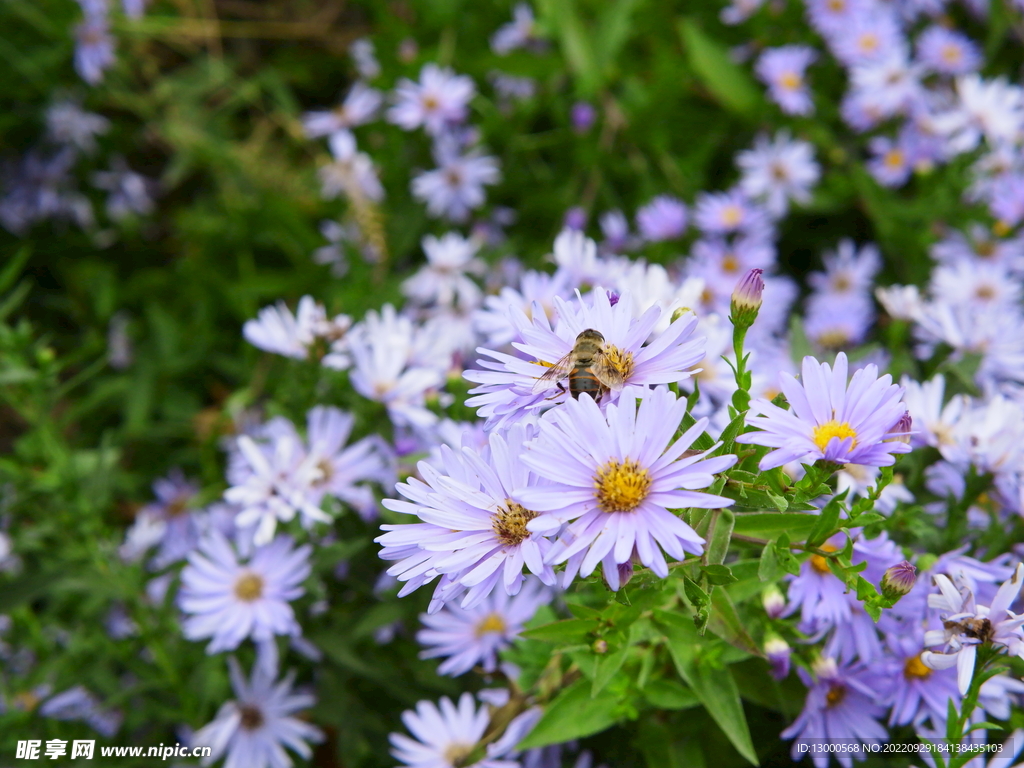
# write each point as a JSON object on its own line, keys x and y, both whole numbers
{"x": 732, "y": 215}
{"x": 819, "y": 562}
{"x": 893, "y": 158}
{"x": 621, "y": 487}
{"x": 951, "y": 54}
{"x": 249, "y": 587}
{"x": 456, "y": 752}
{"x": 869, "y": 42}
{"x": 791, "y": 81}
{"x": 509, "y": 523}
{"x": 915, "y": 668}
{"x": 730, "y": 263}
{"x": 620, "y": 360}
{"x": 833, "y": 338}
{"x": 492, "y": 623}
{"x": 825, "y": 432}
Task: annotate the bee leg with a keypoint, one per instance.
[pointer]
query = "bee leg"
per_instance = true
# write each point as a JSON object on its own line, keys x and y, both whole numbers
{"x": 561, "y": 391}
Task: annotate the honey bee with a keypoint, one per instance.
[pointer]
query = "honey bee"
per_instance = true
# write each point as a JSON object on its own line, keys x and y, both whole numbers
{"x": 979, "y": 629}
{"x": 587, "y": 368}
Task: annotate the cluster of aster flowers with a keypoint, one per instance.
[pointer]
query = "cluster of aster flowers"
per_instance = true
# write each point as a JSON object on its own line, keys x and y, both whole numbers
{"x": 613, "y": 396}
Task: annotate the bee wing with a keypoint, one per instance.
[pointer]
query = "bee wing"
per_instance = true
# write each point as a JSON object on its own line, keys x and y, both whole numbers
{"x": 555, "y": 373}
{"x": 607, "y": 374}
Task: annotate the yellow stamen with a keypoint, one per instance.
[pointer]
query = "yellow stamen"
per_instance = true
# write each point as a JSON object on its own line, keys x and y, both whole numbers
{"x": 791, "y": 81}
{"x": 509, "y": 523}
{"x": 820, "y": 563}
{"x": 825, "y": 432}
{"x": 621, "y": 487}
{"x": 491, "y": 623}
{"x": 732, "y": 215}
{"x": 249, "y": 587}
{"x": 915, "y": 668}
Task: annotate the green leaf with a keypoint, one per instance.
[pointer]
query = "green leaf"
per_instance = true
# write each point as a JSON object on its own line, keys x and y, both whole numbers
{"x": 613, "y": 30}
{"x": 722, "y": 524}
{"x": 27, "y": 588}
{"x": 562, "y": 16}
{"x": 826, "y": 523}
{"x": 718, "y": 575}
{"x": 715, "y": 688}
{"x": 699, "y": 600}
{"x": 572, "y": 715}
{"x": 730, "y": 84}
{"x": 768, "y": 525}
{"x": 786, "y": 559}
{"x": 768, "y": 565}
{"x": 657, "y": 742}
{"x": 607, "y": 667}
{"x": 667, "y": 693}
{"x": 13, "y": 267}
{"x": 567, "y": 632}
{"x": 726, "y": 623}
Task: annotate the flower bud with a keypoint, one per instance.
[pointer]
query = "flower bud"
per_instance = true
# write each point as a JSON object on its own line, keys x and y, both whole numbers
{"x": 777, "y": 650}
{"x": 773, "y": 601}
{"x": 901, "y": 432}
{"x": 898, "y": 580}
{"x": 600, "y": 646}
{"x": 681, "y": 312}
{"x": 746, "y": 298}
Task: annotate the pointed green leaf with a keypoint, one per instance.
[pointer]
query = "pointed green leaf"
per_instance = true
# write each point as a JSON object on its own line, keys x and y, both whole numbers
{"x": 572, "y": 715}
{"x": 729, "y": 83}
{"x": 715, "y": 688}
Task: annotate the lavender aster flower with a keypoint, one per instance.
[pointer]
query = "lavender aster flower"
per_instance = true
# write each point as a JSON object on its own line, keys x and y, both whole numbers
{"x": 829, "y": 420}
{"x": 720, "y": 213}
{"x": 474, "y": 636}
{"x": 228, "y": 601}
{"x": 456, "y": 186}
{"x": 437, "y": 101}
{"x": 360, "y": 106}
{"x": 782, "y": 70}
{"x": 508, "y": 392}
{"x": 446, "y": 736}
{"x": 67, "y": 123}
{"x": 966, "y": 625}
{"x": 94, "y": 51}
{"x": 617, "y": 475}
{"x": 664, "y": 218}
{"x": 473, "y": 529}
{"x": 254, "y": 729}
{"x": 841, "y": 704}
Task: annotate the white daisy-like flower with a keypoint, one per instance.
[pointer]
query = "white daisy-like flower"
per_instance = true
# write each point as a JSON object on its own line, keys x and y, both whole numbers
{"x": 446, "y": 736}
{"x": 468, "y": 637}
{"x": 778, "y": 171}
{"x": 473, "y": 530}
{"x": 229, "y": 601}
{"x": 439, "y": 100}
{"x": 445, "y": 280}
{"x": 617, "y": 475}
{"x": 254, "y": 729}
{"x": 360, "y": 106}
{"x": 967, "y": 625}
{"x": 508, "y": 391}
